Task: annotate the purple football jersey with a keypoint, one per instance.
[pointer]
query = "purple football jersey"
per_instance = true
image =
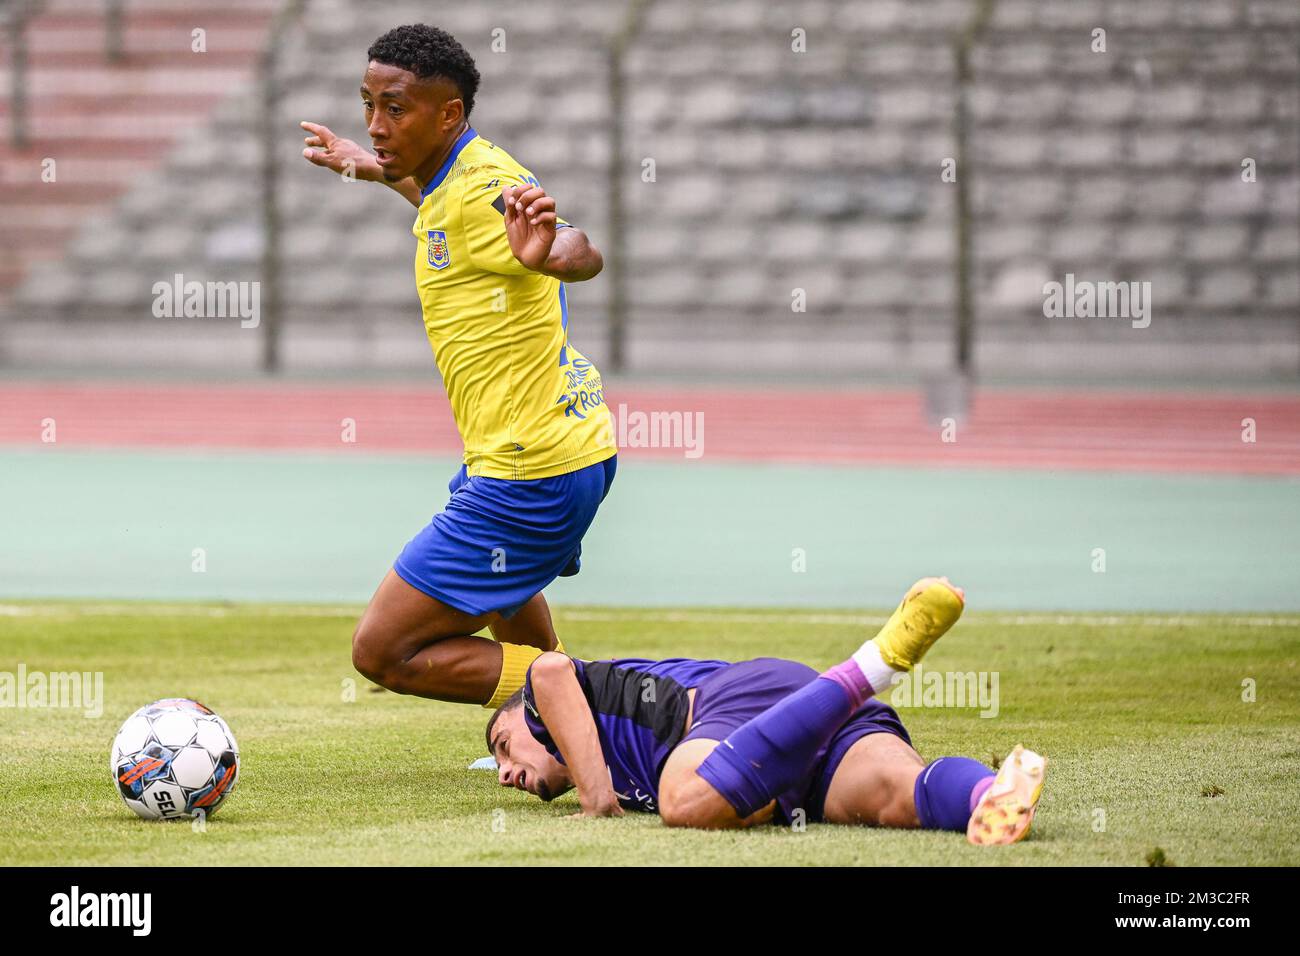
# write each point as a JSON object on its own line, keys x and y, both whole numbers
{"x": 640, "y": 710}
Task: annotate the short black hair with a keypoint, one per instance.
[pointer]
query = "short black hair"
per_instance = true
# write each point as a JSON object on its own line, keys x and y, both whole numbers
{"x": 428, "y": 52}
{"x": 513, "y": 702}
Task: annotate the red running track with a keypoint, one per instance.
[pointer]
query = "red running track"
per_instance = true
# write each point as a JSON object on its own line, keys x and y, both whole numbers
{"x": 1012, "y": 428}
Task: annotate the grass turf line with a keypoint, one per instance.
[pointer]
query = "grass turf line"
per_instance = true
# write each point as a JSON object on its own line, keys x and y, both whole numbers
{"x": 1139, "y": 716}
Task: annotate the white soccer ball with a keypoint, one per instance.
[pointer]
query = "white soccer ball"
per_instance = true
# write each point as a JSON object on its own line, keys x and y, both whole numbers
{"x": 174, "y": 759}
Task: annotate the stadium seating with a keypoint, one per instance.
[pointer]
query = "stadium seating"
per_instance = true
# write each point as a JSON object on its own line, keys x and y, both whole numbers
{"x": 774, "y": 170}
{"x": 107, "y": 126}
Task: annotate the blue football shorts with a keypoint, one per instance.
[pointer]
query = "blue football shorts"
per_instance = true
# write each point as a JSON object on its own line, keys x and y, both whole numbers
{"x": 499, "y": 542}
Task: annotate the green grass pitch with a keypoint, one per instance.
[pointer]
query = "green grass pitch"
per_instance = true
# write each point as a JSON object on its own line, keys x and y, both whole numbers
{"x": 1153, "y": 751}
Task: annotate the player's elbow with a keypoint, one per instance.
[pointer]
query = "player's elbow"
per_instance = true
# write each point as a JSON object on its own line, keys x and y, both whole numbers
{"x": 579, "y": 259}
{"x": 551, "y": 665}
{"x": 596, "y": 262}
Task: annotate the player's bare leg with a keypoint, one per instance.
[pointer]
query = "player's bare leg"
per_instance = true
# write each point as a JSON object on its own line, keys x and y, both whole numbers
{"x": 875, "y": 783}
{"x": 530, "y": 625}
{"x": 412, "y": 643}
{"x": 773, "y": 751}
{"x": 688, "y": 800}
{"x": 873, "y": 786}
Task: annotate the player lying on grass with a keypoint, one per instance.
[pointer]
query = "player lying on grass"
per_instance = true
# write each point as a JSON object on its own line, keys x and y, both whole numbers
{"x": 491, "y": 260}
{"x": 716, "y": 745}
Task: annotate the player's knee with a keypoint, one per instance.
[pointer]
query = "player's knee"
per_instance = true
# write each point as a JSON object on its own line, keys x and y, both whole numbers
{"x": 370, "y": 656}
{"x": 691, "y": 802}
{"x": 678, "y": 813}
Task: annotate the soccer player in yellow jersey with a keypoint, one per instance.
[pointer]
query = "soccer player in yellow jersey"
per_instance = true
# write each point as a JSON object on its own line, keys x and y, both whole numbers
{"x": 491, "y": 260}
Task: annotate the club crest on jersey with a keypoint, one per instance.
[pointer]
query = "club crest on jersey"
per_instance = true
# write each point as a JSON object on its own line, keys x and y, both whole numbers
{"x": 439, "y": 256}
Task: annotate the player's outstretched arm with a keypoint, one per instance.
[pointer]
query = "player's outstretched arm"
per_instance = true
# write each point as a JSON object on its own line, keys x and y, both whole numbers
{"x": 341, "y": 155}
{"x": 564, "y": 711}
{"x": 531, "y": 220}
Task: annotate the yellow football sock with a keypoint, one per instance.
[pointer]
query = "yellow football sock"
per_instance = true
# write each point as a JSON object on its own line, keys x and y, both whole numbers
{"x": 515, "y": 661}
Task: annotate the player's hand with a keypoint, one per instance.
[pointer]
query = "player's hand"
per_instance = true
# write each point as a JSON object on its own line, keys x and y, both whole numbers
{"x": 530, "y": 224}
{"x": 341, "y": 155}
{"x": 604, "y": 806}
{"x": 616, "y": 811}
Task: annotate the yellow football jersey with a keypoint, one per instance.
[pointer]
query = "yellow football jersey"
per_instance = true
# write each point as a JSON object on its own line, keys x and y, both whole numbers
{"x": 527, "y": 404}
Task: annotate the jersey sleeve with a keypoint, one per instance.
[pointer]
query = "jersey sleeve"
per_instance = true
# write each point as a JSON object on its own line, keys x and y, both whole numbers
{"x": 483, "y": 221}
{"x": 533, "y": 717}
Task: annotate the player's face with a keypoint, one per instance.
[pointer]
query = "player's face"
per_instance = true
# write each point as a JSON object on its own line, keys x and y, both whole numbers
{"x": 524, "y": 763}
{"x": 412, "y": 122}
